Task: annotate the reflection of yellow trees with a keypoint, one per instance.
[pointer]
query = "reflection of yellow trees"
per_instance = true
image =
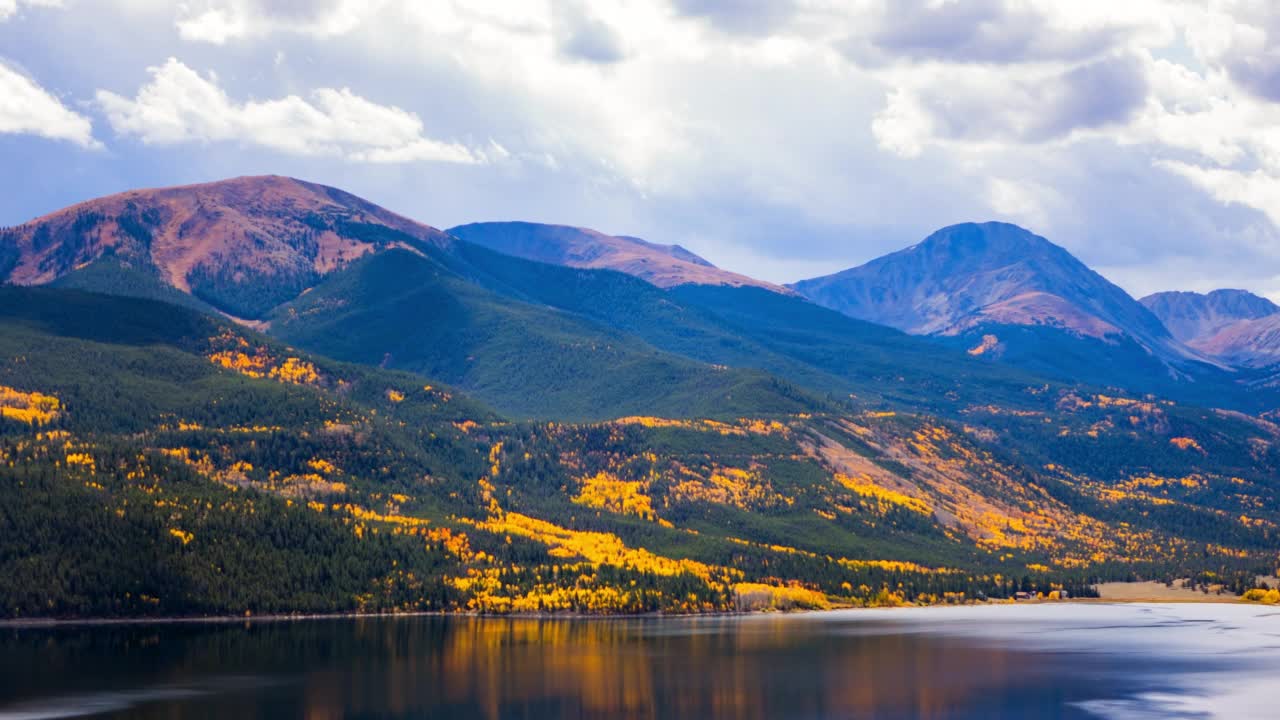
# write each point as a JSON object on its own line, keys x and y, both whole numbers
{"x": 491, "y": 668}
{"x": 496, "y": 667}
{"x": 32, "y": 408}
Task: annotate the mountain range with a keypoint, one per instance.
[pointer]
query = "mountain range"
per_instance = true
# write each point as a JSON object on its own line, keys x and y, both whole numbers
{"x": 1234, "y": 326}
{"x": 1003, "y": 292}
{"x": 575, "y": 420}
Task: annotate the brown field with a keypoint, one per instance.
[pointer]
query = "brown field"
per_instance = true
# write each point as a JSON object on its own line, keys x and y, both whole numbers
{"x": 1157, "y": 592}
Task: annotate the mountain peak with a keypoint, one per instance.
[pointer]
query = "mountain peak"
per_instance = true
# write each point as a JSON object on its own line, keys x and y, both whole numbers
{"x": 988, "y": 242}
{"x": 1192, "y": 316}
{"x": 973, "y": 275}
{"x": 662, "y": 265}
{"x": 240, "y": 244}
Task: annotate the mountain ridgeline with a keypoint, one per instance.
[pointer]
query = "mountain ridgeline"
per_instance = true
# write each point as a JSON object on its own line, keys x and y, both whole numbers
{"x": 1191, "y": 316}
{"x": 662, "y": 265}
{"x": 256, "y": 395}
{"x": 1234, "y": 326}
{"x": 1001, "y": 292}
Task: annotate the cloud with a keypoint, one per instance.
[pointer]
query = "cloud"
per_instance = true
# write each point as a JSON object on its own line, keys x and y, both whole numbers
{"x": 1257, "y": 189}
{"x": 27, "y": 108}
{"x": 972, "y": 105}
{"x": 1143, "y": 135}
{"x": 740, "y": 17}
{"x": 179, "y": 106}
{"x": 9, "y": 8}
{"x": 985, "y": 31}
{"x": 584, "y": 37}
{"x": 1023, "y": 201}
{"x": 219, "y": 21}
{"x": 1241, "y": 37}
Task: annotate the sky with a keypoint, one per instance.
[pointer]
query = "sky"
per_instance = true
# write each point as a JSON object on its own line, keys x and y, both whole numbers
{"x": 783, "y": 139}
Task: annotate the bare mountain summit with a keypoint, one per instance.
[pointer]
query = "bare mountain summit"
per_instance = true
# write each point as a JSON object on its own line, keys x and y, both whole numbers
{"x": 968, "y": 277}
{"x": 241, "y": 245}
{"x": 662, "y": 265}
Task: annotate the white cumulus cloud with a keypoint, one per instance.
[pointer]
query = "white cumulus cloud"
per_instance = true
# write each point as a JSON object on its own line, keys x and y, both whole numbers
{"x": 179, "y": 105}
{"x": 27, "y": 108}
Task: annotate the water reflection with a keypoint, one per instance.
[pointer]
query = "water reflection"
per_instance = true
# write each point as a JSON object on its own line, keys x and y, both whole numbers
{"x": 759, "y": 667}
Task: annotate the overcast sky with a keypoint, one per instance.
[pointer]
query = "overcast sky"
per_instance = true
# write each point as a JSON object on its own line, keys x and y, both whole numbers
{"x": 779, "y": 138}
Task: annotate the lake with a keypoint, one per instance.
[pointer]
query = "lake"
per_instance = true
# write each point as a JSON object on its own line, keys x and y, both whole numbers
{"x": 1026, "y": 661}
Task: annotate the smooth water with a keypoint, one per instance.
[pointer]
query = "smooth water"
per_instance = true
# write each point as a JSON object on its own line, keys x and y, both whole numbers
{"x": 1035, "y": 661}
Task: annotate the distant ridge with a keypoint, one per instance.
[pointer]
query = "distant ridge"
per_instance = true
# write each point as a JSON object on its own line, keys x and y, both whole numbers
{"x": 663, "y": 265}
{"x": 1193, "y": 316}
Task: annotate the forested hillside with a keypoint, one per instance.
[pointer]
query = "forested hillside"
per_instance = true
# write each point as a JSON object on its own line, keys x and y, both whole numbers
{"x": 156, "y": 460}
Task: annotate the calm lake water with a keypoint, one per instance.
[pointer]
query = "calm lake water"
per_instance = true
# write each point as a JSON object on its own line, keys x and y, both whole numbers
{"x": 1041, "y": 661}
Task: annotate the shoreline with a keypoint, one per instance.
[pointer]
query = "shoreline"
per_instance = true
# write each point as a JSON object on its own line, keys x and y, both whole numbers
{"x": 52, "y": 623}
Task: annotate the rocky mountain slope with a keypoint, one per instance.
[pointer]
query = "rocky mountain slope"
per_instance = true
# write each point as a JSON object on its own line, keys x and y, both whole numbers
{"x": 241, "y": 245}
{"x": 663, "y": 265}
{"x": 1002, "y": 291}
{"x": 1244, "y": 343}
{"x": 1192, "y": 316}
{"x": 968, "y": 275}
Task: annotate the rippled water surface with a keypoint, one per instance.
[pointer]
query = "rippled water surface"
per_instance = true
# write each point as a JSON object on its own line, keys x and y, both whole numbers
{"x": 1041, "y": 661}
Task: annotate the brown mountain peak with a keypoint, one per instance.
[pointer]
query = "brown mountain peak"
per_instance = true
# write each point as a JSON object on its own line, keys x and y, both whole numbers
{"x": 222, "y": 241}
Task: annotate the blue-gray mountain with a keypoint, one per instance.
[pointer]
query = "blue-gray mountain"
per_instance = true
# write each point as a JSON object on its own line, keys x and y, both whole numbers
{"x": 1001, "y": 291}
{"x": 1192, "y": 316}
{"x": 1232, "y": 326}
